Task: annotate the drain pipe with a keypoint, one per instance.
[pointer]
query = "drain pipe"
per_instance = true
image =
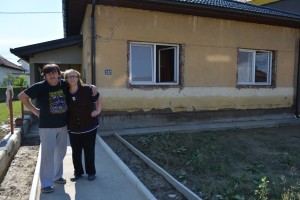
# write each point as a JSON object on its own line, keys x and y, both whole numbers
{"x": 297, "y": 110}
{"x": 93, "y": 48}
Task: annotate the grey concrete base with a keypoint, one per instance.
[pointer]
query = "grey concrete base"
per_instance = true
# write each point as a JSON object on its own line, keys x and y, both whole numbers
{"x": 120, "y": 121}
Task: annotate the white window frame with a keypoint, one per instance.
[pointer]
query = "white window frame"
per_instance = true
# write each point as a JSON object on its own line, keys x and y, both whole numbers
{"x": 153, "y": 63}
{"x": 269, "y": 70}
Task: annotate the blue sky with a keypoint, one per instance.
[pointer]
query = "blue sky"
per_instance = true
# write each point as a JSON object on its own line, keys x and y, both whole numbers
{"x": 21, "y": 29}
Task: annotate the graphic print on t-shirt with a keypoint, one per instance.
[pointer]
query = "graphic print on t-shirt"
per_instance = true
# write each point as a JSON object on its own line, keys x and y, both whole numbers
{"x": 57, "y": 102}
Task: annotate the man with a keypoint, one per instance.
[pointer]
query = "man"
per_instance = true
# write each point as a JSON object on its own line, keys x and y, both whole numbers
{"x": 52, "y": 112}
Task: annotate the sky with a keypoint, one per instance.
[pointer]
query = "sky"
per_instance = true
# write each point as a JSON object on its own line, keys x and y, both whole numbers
{"x": 27, "y": 22}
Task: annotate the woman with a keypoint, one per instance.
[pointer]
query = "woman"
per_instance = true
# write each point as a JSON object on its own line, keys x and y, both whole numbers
{"x": 83, "y": 111}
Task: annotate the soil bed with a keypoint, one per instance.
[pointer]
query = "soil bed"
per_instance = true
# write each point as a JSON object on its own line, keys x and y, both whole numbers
{"x": 258, "y": 163}
{"x": 18, "y": 179}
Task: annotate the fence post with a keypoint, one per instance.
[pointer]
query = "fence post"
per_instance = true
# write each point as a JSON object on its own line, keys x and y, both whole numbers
{"x": 22, "y": 106}
{"x": 9, "y": 97}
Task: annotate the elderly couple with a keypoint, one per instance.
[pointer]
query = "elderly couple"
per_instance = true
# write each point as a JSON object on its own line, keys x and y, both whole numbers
{"x": 64, "y": 105}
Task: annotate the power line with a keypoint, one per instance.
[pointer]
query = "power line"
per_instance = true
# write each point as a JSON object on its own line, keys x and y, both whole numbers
{"x": 22, "y": 13}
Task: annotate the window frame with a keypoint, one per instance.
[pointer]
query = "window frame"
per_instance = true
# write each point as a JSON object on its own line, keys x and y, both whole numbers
{"x": 270, "y": 70}
{"x": 155, "y": 61}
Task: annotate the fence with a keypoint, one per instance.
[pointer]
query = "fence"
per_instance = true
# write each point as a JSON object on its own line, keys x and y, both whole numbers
{"x": 18, "y": 121}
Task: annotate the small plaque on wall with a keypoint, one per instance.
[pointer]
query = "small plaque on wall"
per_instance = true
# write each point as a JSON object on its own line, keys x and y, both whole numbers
{"x": 108, "y": 72}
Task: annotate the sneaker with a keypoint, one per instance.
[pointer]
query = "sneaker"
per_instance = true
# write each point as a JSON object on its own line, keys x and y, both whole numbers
{"x": 48, "y": 189}
{"x": 75, "y": 178}
{"x": 60, "y": 181}
{"x": 91, "y": 177}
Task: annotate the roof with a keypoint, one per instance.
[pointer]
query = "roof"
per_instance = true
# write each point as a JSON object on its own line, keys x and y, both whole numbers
{"x": 28, "y": 51}
{"x": 8, "y": 64}
{"x": 73, "y": 11}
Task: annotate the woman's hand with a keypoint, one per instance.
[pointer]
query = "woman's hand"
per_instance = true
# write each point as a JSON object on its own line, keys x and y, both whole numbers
{"x": 95, "y": 113}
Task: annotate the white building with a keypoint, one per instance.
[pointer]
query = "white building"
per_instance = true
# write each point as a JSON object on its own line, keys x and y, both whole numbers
{"x": 7, "y": 67}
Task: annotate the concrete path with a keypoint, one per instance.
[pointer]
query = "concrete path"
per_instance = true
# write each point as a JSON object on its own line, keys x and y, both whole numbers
{"x": 112, "y": 181}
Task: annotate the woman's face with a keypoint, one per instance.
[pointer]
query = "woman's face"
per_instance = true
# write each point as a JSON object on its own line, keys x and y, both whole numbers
{"x": 72, "y": 78}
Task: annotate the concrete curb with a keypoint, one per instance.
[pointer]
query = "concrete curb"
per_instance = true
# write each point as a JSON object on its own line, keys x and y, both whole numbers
{"x": 205, "y": 126}
{"x": 10, "y": 145}
{"x": 129, "y": 174}
{"x": 35, "y": 181}
{"x": 179, "y": 186}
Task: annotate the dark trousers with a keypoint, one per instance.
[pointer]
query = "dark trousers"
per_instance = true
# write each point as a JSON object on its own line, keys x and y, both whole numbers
{"x": 83, "y": 142}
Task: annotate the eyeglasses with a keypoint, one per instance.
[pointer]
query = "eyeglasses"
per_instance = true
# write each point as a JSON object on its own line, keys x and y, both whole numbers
{"x": 72, "y": 76}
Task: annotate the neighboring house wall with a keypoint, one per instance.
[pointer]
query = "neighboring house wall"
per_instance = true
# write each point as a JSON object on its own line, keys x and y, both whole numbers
{"x": 4, "y": 71}
{"x": 208, "y": 61}
{"x": 25, "y": 65}
{"x": 7, "y": 67}
{"x": 60, "y": 56}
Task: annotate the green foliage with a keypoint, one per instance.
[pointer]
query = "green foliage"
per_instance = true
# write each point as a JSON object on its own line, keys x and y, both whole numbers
{"x": 21, "y": 81}
{"x": 8, "y": 80}
{"x": 291, "y": 191}
{"x": 262, "y": 191}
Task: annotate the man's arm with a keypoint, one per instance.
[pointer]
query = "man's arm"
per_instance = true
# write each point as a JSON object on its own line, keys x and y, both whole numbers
{"x": 94, "y": 90}
{"x": 24, "y": 98}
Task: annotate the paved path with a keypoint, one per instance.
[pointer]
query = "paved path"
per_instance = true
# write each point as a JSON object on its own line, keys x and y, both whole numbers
{"x": 112, "y": 183}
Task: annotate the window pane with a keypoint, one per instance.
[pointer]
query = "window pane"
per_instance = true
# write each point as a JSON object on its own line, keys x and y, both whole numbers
{"x": 261, "y": 67}
{"x": 141, "y": 63}
{"x": 245, "y": 67}
{"x": 166, "y": 64}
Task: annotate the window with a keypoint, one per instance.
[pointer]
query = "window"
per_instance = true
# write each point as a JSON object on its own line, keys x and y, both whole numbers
{"x": 154, "y": 64}
{"x": 254, "y": 67}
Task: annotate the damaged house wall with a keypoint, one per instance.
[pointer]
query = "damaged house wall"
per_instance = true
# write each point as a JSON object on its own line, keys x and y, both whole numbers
{"x": 207, "y": 50}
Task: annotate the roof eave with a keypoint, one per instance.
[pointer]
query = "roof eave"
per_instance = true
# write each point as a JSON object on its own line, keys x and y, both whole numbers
{"x": 204, "y": 11}
{"x": 27, "y": 52}
{"x": 73, "y": 13}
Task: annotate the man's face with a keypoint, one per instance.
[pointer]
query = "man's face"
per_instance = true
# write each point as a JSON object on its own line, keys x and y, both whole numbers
{"x": 52, "y": 78}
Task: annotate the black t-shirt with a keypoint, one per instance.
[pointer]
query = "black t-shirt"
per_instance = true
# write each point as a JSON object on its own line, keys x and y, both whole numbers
{"x": 51, "y": 102}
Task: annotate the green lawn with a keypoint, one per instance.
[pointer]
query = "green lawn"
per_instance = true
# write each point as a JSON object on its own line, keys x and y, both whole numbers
{"x": 4, "y": 111}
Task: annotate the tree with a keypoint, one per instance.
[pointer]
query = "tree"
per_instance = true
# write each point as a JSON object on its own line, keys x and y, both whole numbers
{"x": 21, "y": 81}
{"x": 8, "y": 80}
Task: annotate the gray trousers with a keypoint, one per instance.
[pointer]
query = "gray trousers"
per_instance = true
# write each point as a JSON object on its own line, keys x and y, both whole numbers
{"x": 53, "y": 151}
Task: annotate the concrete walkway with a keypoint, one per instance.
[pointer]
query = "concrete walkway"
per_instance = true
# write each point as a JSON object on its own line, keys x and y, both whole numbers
{"x": 114, "y": 180}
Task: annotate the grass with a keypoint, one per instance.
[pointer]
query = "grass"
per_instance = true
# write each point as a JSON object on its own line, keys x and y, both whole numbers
{"x": 235, "y": 164}
{"x": 5, "y": 114}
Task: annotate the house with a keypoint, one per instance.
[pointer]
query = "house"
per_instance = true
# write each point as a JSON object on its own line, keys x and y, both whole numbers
{"x": 179, "y": 56}
{"x": 286, "y": 5}
{"x": 26, "y": 67}
{"x": 7, "y": 67}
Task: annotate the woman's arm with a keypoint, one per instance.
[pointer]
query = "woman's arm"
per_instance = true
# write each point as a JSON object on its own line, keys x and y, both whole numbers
{"x": 98, "y": 109}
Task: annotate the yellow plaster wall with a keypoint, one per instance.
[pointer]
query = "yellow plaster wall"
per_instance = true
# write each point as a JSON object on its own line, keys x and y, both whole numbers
{"x": 210, "y": 60}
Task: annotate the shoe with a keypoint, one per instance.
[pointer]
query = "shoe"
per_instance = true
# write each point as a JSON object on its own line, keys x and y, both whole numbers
{"x": 48, "y": 189}
{"x": 60, "y": 181}
{"x": 91, "y": 177}
{"x": 75, "y": 178}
